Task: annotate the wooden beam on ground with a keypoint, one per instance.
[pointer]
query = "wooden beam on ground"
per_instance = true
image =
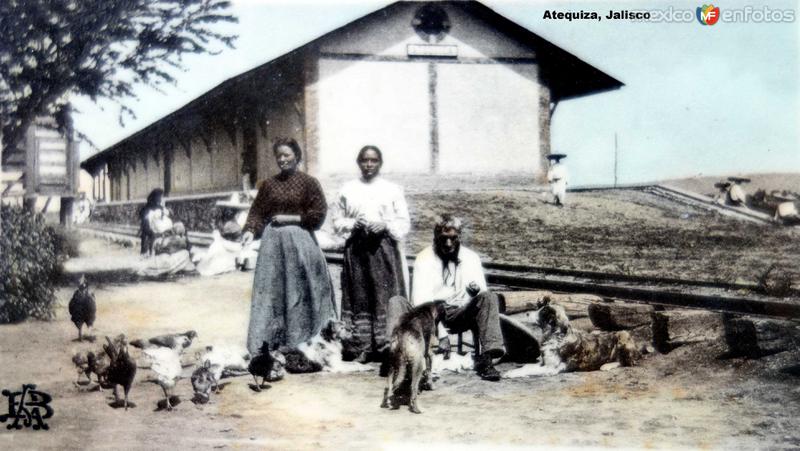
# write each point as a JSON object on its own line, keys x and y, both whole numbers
{"x": 675, "y": 328}
{"x": 756, "y": 337}
{"x": 612, "y": 316}
{"x": 576, "y": 305}
{"x": 655, "y": 295}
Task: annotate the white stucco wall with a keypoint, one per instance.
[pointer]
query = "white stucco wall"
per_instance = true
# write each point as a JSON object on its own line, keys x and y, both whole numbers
{"x": 370, "y": 92}
{"x": 380, "y": 103}
{"x": 488, "y": 118}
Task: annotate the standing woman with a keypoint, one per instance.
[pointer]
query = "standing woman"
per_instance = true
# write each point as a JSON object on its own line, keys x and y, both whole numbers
{"x": 372, "y": 215}
{"x": 292, "y": 290}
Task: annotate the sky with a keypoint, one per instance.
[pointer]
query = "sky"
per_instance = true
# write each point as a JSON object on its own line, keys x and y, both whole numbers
{"x": 698, "y": 99}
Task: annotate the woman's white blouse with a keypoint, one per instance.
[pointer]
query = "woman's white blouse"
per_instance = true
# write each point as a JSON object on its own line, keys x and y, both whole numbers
{"x": 376, "y": 200}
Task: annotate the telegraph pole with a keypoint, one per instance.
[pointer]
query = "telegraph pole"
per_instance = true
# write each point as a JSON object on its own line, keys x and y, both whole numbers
{"x": 616, "y": 158}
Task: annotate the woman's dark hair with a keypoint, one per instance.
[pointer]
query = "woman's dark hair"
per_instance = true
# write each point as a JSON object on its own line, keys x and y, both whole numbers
{"x": 154, "y": 198}
{"x": 365, "y": 149}
{"x": 290, "y": 143}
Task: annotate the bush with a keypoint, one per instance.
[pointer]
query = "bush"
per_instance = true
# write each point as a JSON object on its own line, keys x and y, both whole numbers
{"x": 30, "y": 263}
{"x": 67, "y": 242}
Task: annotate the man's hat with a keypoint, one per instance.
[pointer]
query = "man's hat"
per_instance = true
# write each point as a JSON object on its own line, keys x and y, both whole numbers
{"x": 722, "y": 185}
{"x": 556, "y": 156}
{"x": 739, "y": 179}
{"x": 784, "y": 196}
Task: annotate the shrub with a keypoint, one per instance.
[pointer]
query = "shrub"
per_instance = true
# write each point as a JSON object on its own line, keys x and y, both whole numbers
{"x": 30, "y": 262}
{"x": 67, "y": 242}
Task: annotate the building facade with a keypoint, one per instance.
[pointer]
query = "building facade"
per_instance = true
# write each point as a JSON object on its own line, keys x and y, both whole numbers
{"x": 440, "y": 87}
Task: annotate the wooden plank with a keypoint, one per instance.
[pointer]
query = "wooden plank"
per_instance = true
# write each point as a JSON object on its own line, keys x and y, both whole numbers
{"x": 575, "y": 304}
{"x": 655, "y": 295}
{"x": 612, "y": 316}
{"x": 756, "y": 337}
{"x": 675, "y": 328}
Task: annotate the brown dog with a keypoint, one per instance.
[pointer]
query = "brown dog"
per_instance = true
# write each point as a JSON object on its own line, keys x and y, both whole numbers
{"x": 564, "y": 349}
{"x": 409, "y": 351}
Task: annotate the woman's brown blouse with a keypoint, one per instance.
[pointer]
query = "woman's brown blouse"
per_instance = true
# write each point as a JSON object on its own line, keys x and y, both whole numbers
{"x": 295, "y": 194}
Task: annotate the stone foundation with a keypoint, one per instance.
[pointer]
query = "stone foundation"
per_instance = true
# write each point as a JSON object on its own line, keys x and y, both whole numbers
{"x": 198, "y": 213}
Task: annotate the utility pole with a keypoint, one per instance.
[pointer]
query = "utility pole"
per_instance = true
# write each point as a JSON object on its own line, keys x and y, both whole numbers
{"x": 616, "y": 159}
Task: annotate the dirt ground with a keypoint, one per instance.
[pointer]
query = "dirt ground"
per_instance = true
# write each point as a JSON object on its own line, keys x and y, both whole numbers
{"x": 688, "y": 399}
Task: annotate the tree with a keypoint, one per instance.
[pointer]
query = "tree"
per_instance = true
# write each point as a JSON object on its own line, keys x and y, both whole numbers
{"x": 51, "y": 49}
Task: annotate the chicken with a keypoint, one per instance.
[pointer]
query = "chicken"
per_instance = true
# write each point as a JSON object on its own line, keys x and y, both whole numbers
{"x": 81, "y": 362}
{"x": 261, "y": 365}
{"x": 82, "y": 307}
{"x": 176, "y": 342}
{"x": 165, "y": 363}
{"x": 225, "y": 360}
{"x": 99, "y": 364}
{"x": 203, "y": 381}
{"x": 92, "y": 362}
{"x": 121, "y": 368}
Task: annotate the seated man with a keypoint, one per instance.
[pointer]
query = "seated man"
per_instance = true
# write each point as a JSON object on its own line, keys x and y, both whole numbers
{"x": 452, "y": 273}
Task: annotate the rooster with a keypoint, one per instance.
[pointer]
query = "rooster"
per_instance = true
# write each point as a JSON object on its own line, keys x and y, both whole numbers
{"x": 176, "y": 342}
{"x": 261, "y": 365}
{"x": 165, "y": 363}
{"x": 82, "y": 307}
{"x": 121, "y": 367}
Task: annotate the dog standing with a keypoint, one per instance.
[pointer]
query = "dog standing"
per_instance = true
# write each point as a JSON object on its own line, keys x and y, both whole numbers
{"x": 409, "y": 351}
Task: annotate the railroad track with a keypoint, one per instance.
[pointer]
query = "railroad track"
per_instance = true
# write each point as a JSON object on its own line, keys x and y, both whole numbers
{"x": 708, "y": 295}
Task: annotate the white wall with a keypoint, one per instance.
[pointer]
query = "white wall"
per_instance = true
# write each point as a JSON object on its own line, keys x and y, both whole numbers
{"x": 488, "y": 118}
{"x": 369, "y": 102}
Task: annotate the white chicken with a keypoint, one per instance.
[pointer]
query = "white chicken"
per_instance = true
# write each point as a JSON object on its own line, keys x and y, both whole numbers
{"x": 165, "y": 363}
{"x": 225, "y": 359}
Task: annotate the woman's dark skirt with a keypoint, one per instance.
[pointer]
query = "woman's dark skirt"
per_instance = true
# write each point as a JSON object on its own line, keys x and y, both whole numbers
{"x": 292, "y": 290}
{"x": 372, "y": 274}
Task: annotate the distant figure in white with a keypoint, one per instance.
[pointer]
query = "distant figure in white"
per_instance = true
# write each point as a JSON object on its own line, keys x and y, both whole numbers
{"x": 786, "y": 210}
{"x": 227, "y": 251}
{"x": 736, "y": 194}
{"x": 557, "y": 178}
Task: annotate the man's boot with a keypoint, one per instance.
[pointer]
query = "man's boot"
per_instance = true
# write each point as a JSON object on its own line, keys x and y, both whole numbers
{"x": 485, "y": 368}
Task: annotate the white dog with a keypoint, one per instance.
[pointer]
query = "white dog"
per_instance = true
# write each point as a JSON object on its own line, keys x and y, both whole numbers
{"x": 323, "y": 352}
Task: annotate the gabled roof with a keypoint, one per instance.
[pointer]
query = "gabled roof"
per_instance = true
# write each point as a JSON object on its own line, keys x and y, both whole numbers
{"x": 567, "y": 75}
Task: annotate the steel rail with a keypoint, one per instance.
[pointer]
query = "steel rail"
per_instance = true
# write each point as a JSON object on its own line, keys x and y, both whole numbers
{"x": 662, "y": 291}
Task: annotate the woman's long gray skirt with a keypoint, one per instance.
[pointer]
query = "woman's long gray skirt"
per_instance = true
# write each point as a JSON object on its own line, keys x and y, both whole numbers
{"x": 292, "y": 291}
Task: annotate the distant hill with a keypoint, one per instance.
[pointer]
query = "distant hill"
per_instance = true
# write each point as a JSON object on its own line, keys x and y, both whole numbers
{"x": 768, "y": 182}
